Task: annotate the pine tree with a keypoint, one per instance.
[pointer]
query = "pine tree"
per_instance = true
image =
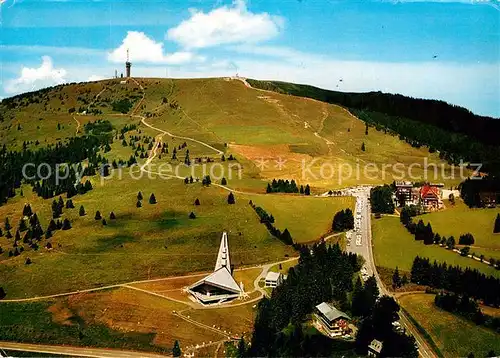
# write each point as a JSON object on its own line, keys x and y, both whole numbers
{"x": 66, "y": 224}
{"x": 230, "y": 199}
{"x": 82, "y": 211}
{"x": 286, "y": 237}
{"x": 104, "y": 222}
{"x": 7, "y": 225}
{"x": 8, "y": 235}
{"x": 197, "y": 202}
{"x": 27, "y": 210}
{"x": 358, "y": 307}
{"x": 269, "y": 189}
{"x": 496, "y": 228}
{"x": 98, "y": 215}
{"x": 138, "y": 204}
{"x": 112, "y": 216}
{"x": 1, "y": 232}
{"x": 192, "y": 215}
{"x": 139, "y": 196}
{"x": 396, "y": 280}
{"x": 28, "y": 261}
{"x": 69, "y": 204}
{"x": 152, "y": 199}
{"x": 176, "y": 350}
{"x": 307, "y": 190}
{"x": 363, "y": 148}
{"x": 22, "y": 225}
{"x": 366, "y": 129}
{"x": 223, "y": 181}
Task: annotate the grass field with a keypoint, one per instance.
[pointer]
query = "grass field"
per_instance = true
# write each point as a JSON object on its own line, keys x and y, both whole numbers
{"x": 152, "y": 241}
{"x": 459, "y": 219}
{"x": 395, "y": 246}
{"x": 120, "y": 318}
{"x": 454, "y": 336}
{"x": 307, "y": 218}
{"x": 236, "y": 321}
{"x": 285, "y": 267}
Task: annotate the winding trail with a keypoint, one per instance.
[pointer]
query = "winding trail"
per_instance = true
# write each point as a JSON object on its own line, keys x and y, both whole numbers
{"x": 77, "y": 125}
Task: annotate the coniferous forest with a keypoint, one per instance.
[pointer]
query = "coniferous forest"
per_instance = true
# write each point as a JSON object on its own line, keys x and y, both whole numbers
{"x": 469, "y": 282}
{"x": 44, "y": 163}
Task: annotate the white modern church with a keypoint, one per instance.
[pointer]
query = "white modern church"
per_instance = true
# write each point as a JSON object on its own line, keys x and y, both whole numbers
{"x": 220, "y": 285}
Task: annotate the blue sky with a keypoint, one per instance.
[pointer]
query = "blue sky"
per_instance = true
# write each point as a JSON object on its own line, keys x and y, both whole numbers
{"x": 438, "y": 49}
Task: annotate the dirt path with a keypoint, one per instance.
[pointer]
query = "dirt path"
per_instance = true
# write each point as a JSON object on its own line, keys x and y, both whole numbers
{"x": 77, "y": 125}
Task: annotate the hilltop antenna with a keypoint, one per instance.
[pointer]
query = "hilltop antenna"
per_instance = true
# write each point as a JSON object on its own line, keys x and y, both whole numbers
{"x": 128, "y": 65}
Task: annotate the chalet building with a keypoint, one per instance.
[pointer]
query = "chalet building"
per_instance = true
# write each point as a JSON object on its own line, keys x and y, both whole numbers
{"x": 220, "y": 285}
{"x": 332, "y": 321}
{"x": 273, "y": 279}
{"x": 374, "y": 348}
{"x": 404, "y": 191}
{"x": 431, "y": 197}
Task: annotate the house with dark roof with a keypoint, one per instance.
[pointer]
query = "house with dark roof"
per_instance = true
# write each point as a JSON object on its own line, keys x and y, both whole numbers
{"x": 220, "y": 285}
{"x": 331, "y": 320}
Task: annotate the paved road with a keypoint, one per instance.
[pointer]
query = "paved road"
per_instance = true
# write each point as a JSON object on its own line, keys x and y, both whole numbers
{"x": 365, "y": 249}
{"x": 77, "y": 351}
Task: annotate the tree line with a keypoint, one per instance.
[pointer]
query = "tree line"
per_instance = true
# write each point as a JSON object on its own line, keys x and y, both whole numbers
{"x": 287, "y": 186}
{"x": 343, "y": 221}
{"x": 466, "y": 307}
{"x": 452, "y": 130}
{"x": 469, "y": 282}
{"x": 477, "y": 192}
{"x": 381, "y": 199}
{"x": 426, "y": 234}
{"x": 268, "y": 221}
{"x": 322, "y": 274}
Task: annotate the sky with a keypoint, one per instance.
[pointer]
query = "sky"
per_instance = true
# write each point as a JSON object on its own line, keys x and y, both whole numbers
{"x": 441, "y": 49}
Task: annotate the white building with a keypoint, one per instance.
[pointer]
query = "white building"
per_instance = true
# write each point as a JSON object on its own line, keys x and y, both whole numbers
{"x": 333, "y": 321}
{"x": 273, "y": 279}
{"x": 220, "y": 285}
{"x": 375, "y": 348}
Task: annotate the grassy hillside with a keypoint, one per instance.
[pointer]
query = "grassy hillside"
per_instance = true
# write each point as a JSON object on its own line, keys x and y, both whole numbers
{"x": 454, "y": 131}
{"x": 122, "y": 318}
{"x": 311, "y": 222}
{"x": 454, "y": 336}
{"x": 458, "y": 219}
{"x": 394, "y": 246}
{"x": 270, "y": 136}
{"x": 152, "y": 241}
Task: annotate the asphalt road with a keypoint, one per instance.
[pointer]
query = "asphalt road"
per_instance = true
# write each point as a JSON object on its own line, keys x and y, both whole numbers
{"x": 365, "y": 249}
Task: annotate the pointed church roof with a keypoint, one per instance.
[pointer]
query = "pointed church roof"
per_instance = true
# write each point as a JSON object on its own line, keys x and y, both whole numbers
{"x": 221, "y": 277}
{"x": 223, "y": 255}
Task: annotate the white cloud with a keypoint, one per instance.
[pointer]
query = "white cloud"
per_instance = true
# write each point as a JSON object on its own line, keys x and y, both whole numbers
{"x": 143, "y": 49}
{"x": 225, "y": 25}
{"x": 34, "y": 78}
{"x": 94, "y": 78}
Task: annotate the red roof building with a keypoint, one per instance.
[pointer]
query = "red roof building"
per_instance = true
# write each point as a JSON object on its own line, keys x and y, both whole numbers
{"x": 430, "y": 196}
